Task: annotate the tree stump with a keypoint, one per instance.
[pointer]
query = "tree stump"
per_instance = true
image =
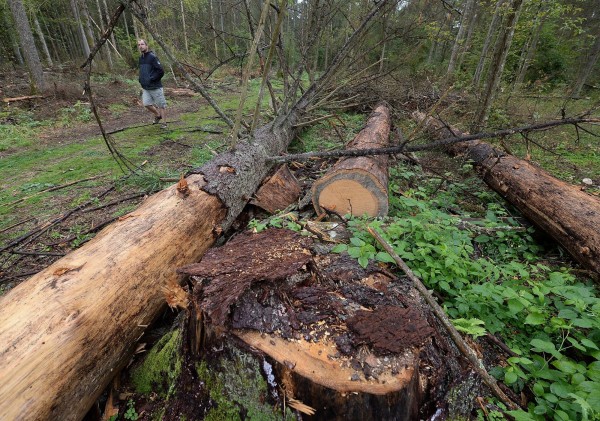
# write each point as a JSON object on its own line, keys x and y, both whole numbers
{"x": 358, "y": 185}
{"x": 342, "y": 341}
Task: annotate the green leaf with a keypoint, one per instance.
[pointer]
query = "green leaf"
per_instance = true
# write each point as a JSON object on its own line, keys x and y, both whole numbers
{"x": 510, "y": 377}
{"x": 561, "y": 389}
{"x": 542, "y": 346}
{"x": 515, "y": 306}
{"x": 567, "y": 314}
{"x": 584, "y": 323}
{"x": 538, "y": 389}
{"x": 535, "y": 319}
{"x": 383, "y": 256}
{"x": 565, "y": 366}
{"x": 363, "y": 261}
{"x": 357, "y": 241}
{"x": 588, "y": 344}
{"x": 339, "y": 248}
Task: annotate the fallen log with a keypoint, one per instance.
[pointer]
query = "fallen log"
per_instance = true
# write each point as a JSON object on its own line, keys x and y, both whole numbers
{"x": 69, "y": 328}
{"x": 565, "y": 212}
{"x": 21, "y": 98}
{"x": 342, "y": 341}
{"x": 358, "y": 185}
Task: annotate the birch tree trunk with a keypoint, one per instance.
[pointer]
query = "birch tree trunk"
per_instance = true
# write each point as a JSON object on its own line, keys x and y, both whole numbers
{"x": 27, "y": 45}
{"x": 488, "y": 42}
{"x": 102, "y": 28}
{"x": 457, "y": 48}
{"x": 83, "y": 42}
{"x": 498, "y": 61}
{"x": 584, "y": 74}
{"x": 38, "y": 29}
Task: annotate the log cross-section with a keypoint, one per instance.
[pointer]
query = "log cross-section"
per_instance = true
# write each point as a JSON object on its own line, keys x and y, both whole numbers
{"x": 564, "y": 211}
{"x": 358, "y": 185}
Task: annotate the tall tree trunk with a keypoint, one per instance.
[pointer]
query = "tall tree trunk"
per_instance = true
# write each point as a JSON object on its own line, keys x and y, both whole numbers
{"x": 27, "y": 44}
{"x": 586, "y": 71}
{"x": 529, "y": 49}
{"x": 184, "y": 28}
{"x": 112, "y": 34}
{"x": 38, "y": 29}
{"x": 82, "y": 38}
{"x": 102, "y": 28}
{"x": 211, "y": 12}
{"x": 457, "y": 48}
{"x": 488, "y": 42}
{"x": 498, "y": 61}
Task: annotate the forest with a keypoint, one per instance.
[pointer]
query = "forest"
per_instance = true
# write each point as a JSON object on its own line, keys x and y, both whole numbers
{"x": 379, "y": 209}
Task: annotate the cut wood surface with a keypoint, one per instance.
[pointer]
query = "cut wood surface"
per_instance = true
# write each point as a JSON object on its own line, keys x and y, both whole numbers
{"x": 278, "y": 191}
{"x": 358, "y": 185}
{"x": 67, "y": 330}
{"x": 348, "y": 342}
{"x": 564, "y": 211}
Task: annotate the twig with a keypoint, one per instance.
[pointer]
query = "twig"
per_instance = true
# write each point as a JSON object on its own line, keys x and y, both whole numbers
{"x": 441, "y": 315}
{"x": 62, "y": 186}
{"x": 115, "y": 202}
{"x": 15, "y": 225}
{"x": 36, "y": 253}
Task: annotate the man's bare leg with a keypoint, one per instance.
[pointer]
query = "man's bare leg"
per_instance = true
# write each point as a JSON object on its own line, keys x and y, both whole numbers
{"x": 155, "y": 111}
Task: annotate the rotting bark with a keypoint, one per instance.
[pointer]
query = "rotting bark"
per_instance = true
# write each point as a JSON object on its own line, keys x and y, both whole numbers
{"x": 343, "y": 341}
{"x": 358, "y": 185}
{"x": 564, "y": 211}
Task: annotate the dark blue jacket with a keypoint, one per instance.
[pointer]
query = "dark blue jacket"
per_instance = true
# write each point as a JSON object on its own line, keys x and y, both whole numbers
{"x": 151, "y": 71}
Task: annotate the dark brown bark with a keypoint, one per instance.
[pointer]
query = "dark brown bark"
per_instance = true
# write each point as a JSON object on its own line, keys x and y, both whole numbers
{"x": 347, "y": 352}
{"x": 358, "y": 185}
{"x": 27, "y": 44}
{"x": 568, "y": 214}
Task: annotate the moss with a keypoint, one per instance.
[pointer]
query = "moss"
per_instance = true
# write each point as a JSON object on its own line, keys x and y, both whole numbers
{"x": 161, "y": 367}
{"x": 237, "y": 387}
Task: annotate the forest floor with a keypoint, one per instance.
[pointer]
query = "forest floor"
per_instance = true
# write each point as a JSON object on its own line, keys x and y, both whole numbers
{"x": 59, "y": 184}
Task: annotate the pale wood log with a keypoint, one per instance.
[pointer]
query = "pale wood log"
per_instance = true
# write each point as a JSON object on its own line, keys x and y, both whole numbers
{"x": 67, "y": 330}
{"x": 278, "y": 191}
{"x": 21, "y": 98}
{"x": 564, "y": 211}
{"x": 358, "y": 185}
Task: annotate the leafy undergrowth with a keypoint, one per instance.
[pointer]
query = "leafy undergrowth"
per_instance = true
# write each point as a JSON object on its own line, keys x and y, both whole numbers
{"x": 494, "y": 277}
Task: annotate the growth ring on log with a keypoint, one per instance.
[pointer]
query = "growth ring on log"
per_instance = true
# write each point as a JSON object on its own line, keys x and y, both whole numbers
{"x": 355, "y": 192}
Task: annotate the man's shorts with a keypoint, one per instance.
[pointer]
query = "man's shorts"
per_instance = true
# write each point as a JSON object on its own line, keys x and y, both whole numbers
{"x": 154, "y": 97}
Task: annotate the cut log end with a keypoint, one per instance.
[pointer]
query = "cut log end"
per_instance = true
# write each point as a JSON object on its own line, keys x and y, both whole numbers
{"x": 356, "y": 193}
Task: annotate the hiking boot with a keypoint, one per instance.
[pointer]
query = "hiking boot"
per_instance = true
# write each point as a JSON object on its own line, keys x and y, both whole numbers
{"x": 163, "y": 126}
{"x": 156, "y": 119}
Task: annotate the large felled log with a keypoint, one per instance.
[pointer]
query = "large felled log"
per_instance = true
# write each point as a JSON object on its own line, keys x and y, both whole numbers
{"x": 569, "y": 215}
{"x": 358, "y": 185}
{"x": 345, "y": 342}
{"x": 66, "y": 331}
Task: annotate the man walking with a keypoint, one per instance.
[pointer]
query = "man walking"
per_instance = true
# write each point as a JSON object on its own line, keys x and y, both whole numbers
{"x": 151, "y": 72}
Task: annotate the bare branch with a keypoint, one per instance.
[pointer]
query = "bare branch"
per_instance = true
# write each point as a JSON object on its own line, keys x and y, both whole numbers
{"x": 433, "y": 145}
